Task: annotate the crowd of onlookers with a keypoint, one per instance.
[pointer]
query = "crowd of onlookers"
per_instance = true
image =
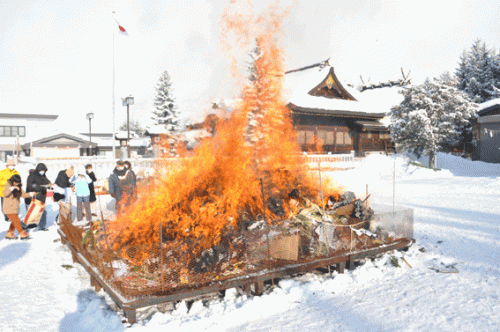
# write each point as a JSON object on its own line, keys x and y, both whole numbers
{"x": 69, "y": 182}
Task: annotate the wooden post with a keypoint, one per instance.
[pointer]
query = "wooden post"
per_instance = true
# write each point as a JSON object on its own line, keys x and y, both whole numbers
{"x": 130, "y": 314}
{"x": 321, "y": 187}
{"x": 246, "y": 288}
{"x": 259, "y": 287}
{"x": 366, "y": 199}
{"x": 162, "y": 282}
{"x": 265, "y": 217}
{"x": 95, "y": 284}
{"x": 340, "y": 267}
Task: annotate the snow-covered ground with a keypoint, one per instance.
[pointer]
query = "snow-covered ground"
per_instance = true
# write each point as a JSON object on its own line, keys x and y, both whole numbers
{"x": 457, "y": 222}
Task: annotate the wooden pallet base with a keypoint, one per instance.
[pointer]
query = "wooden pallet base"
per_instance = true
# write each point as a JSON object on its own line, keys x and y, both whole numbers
{"x": 245, "y": 282}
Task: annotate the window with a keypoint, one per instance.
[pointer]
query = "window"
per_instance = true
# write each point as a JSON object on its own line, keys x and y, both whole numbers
{"x": 347, "y": 139}
{"x": 340, "y": 138}
{"x": 385, "y": 136}
{"x": 309, "y": 137}
{"x": 12, "y": 131}
{"x": 322, "y": 136}
{"x": 301, "y": 137}
{"x": 330, "y": 138}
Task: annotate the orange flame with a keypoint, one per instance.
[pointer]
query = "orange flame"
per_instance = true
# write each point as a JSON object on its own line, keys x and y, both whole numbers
{"x": 211, "y": 193}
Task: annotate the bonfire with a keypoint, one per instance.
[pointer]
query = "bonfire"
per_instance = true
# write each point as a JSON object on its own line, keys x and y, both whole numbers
{"x": 244, "y": 200}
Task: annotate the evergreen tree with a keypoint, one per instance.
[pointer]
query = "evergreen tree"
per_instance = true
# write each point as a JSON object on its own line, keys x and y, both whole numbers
{"x": 479, "y": 72}
{"x": 431, "y": 114}
{"x": 166, "y": 112}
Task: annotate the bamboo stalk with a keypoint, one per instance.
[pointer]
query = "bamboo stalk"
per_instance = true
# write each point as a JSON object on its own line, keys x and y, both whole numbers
{"x": 265, "y": 217}
{"x": 321, "y": 187}
{"x": 162, "y": 282}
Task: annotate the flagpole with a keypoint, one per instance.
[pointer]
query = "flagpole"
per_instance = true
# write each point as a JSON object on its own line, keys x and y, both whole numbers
{"x": 113, "y": 136}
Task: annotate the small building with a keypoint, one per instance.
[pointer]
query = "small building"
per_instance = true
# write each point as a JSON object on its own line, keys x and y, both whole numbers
{"x": 486, "y": 132}
{"x": 59, "y": 146}
{"x": 17, "y": 129}
{"x": 337, "y": 116}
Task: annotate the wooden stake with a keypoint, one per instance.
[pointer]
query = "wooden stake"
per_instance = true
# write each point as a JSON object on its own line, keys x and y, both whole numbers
{"x": 404, "y": 260}
{"x": 321, "y": 187}
{"x": 162, "y": 282}
{"x": 265, "y": 217}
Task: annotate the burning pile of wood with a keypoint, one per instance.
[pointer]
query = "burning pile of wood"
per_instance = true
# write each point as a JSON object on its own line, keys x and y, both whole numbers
{"x": 309, "y": 233}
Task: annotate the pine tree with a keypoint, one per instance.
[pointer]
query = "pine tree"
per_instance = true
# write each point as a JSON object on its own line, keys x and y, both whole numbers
{"x": 479, "y": 72}
{"x": 166, "y": 112}
{"x": 430, "y": 115}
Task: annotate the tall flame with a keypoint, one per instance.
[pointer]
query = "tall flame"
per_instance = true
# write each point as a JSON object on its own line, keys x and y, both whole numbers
{"x": 216, "y": 190}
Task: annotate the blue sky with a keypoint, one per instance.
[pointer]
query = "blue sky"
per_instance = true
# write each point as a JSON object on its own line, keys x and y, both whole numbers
{"x": 56, "y": 57}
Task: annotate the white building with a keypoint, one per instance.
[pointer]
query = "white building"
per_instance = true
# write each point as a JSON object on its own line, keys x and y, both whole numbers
{"x": 17, "y": 129}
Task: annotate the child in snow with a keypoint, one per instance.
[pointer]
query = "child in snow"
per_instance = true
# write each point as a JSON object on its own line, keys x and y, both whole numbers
{"x": 81, "y": 181}
{"x": 12, "y": 198}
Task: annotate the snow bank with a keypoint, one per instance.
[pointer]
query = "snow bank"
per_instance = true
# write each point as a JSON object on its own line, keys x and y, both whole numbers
{"x": 456, "y": 223}
{"x": 459, "y": 166}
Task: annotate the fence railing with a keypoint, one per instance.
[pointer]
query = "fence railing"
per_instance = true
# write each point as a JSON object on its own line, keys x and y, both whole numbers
{"x": 104, "y": 166}
{"x": 333, "y": 161}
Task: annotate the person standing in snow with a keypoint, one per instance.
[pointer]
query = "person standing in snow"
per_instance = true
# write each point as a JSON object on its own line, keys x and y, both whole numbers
{"x": 38, "y": 182}
{"x": 117, "y": 185}
{"x": 81, "y": 182}
{"x": 6, "y": 174}
{"x": 130, "y": 183}
{"x": 12, "y": 193}
{"x": 63, "y": 182}
{"x": 90, "y": 173}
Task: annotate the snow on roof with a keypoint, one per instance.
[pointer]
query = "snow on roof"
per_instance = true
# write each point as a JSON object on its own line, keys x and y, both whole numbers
{"x": 138, "y": 142}
{"x": 123, "y": 134}
{"x": 298, "y": 84}
{"x": 157, "y": 129}
{"x": 195, "y": 134}
{"x": 488, "y": 104}
{"x": 383, "y": 99}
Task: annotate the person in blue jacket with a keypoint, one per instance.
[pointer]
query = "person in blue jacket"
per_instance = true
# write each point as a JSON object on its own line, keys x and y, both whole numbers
{"x": 81, "y": 181}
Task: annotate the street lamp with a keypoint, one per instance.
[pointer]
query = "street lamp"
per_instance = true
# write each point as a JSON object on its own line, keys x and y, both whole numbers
{"x": 127, "y": 101}
{"x": 90, "y": 116}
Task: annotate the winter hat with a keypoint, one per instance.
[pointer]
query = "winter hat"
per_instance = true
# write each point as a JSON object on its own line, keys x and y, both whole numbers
{"x": 10, "y": 162}
{"x": 120, "y": 162}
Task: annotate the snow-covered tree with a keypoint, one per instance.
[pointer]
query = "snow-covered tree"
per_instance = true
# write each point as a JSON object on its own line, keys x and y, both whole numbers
{"x": 166, "y": 114}
{"x": 430, "y": 114}
{"x": 166, "y": 111}
{"x": 478, "y": 72}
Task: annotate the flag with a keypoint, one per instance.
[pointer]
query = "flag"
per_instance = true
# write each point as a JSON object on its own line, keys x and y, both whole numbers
{"x": 121, "y": 29}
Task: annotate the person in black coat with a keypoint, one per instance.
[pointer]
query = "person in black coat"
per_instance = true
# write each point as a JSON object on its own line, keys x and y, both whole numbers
{"x": 38, "y": 182}
{"x": 117, "y": 185}
{"x": 63, "y": 181}
{"x": 131, "y": 182}
{"x": 90, "y": 173}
